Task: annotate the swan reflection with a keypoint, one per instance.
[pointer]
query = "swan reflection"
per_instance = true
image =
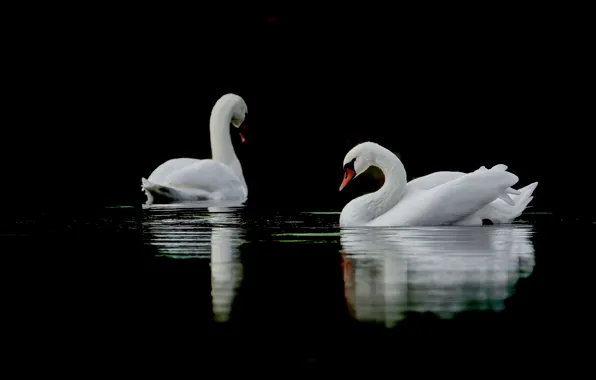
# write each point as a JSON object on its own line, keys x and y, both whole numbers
{"x": 212, "y": 233}
{"x": 444, "y": 270}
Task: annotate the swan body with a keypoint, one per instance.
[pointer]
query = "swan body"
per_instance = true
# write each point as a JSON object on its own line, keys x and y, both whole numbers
{"x": 219, "y": 178}
{"x": 441, "y": 198}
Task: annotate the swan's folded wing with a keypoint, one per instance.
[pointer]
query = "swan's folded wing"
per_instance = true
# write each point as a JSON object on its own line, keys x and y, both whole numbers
{"x": 433, "y": 180}
{"x": 456, "y": 199}
{"x": 208, "y": 175}
{"x": 160, "y": 173}
{"x": 438, "y": 178}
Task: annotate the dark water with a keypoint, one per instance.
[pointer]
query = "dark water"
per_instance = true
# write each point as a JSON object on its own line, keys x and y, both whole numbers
{"x": 302, "y": 288}
{"x": 386, "y": 272}
{"x": 298, "y": 277}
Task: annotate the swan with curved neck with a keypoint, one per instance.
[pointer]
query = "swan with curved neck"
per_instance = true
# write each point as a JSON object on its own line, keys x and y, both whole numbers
{"x": 370, "y": 206}
{"x": 219, "y": 178}
{"x": 229, "y": 109}
{"x": 440, "y": 198}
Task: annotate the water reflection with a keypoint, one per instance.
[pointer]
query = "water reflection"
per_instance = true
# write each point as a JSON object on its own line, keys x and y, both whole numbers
{"x": 387, "y": 272}
{"x": 189, "y": 232}
{"x": 444, "y": 270}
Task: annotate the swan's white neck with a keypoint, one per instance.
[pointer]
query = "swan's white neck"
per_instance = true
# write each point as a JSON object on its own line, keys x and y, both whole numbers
{"x": 222, "y": 149}
{"x": 370, "y": 206}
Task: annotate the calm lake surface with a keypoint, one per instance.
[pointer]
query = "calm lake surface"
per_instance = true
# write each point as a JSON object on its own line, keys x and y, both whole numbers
{"x": 386, "y": 272}
{"x": 289, "y": 276}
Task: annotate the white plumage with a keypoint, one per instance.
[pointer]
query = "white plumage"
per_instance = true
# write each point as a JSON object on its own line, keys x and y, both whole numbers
{"x": 437, "y": 199}
{"x": 219, "y": 178}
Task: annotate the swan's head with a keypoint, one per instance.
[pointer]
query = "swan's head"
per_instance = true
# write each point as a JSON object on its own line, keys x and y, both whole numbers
{"x": 233, "y": 107}
{"x": 239, "y": 113}
{"x": 357, "y": 160}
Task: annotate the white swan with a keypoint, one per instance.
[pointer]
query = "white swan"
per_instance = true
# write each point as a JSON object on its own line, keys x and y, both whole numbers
{"x": 220, "y": 178}
{"x": 440, "y": 198}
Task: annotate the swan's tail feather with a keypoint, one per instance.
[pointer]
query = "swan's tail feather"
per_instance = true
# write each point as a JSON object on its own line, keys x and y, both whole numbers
{"x": 505, "y": 197}
{"x": 145, "y": 186}
{"x": 501, "y": 213}
{"x": 529, "y": 189}
{"x": 510, "y": 190}
{"x": 146, "y": 183}
{"x": 157, "y": 193}
{"x": 499, "y": 167}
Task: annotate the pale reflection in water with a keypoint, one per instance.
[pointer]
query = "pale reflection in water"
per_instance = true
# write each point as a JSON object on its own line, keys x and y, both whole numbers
{"x": 180, "y": 234}
{"x": 387, "y": 271}
{"x": 444, "y": 270}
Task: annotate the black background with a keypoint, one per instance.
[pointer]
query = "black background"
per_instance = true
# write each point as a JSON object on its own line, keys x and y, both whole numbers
{"x": 104, "y": 95}
{"x": 98, "y": 97}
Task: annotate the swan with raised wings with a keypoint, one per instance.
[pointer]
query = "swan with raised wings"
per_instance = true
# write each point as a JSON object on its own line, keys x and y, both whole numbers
{"x": 219, "y": 178}
{"x": 441, "y": 198}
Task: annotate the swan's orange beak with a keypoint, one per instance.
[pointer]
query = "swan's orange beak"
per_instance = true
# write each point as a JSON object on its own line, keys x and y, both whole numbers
{"x": 242, "y": 129}
{"x": 348, "y": 175}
